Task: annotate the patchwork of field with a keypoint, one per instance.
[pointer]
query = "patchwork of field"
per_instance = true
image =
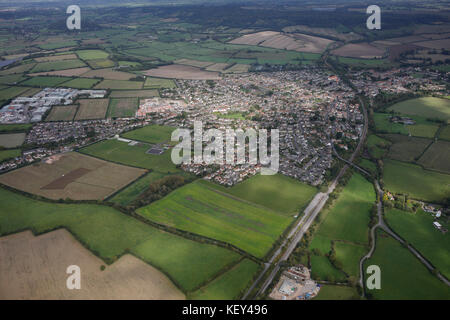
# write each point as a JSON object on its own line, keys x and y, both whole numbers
{"x": 422, "y": 127}
{"x": 277, "y": 40}
{"x": 123, "y": 108}
{"x": 73, "y": 176}
{"x": 407, "y": 178}
{"x": 437, "y": 157}
{"x": 151, "y": 134}
{"x": 134, "y": 93}
{"x": 230, "y": 285}
{"x": 345, "y": 227}
{"x": 277, "y": 192}
{"x": 92, "y": 109}
{"x": 62, "y": 113}
{"x": 110, "y": 234}
{"x": 57, "y": 65}
{"x": 429, "y": 107}
{"x": 43, "y": 81}
{"x": 176, "y": 71}
{"x": 12, "y": 140}
{"x": 66, "y": 73}
{"x": 100, "y": 64}
{"x": 406, "y": 148}
{"x": 359, "y": 50}
{"x": 35, "y": 268}
{"x": 136, "y": 156}
{"x": 200, "y": 209}
{"x": 417, "y": 228}
{"x": 119, "y": 84}
{"x": 403, "y": 275}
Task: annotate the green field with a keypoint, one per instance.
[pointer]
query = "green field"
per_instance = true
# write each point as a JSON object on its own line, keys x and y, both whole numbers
{"x": 403, "y": 276}
{"x": 119, "y": 84}
{"x": 9, "y": 154}
{"x": 345, "y": 223}
{"x": 377, "y": 146}
{"x": 322, "y": 269}
{"x": 422, "y": 128}
{"x": 15, "y": 127}
{"x": 11, "y": 79}
{"x": 437, "y": 157}
{"x": 418, "y": 230}
{"x": 134, "y": 93}
{"x": 81, "y": 83}
{"x": 158, "y": 83}
{"x": 400, "y": 177}
{"x": 122, "y": 108}
{"x": 151, "y": 134}
{"x": 109, "y": 234}
{"x": 429, "y": 107}
{"x": 348, "y": 218}
{"x": 406, "y": 148}
{"x": 92, "y": 54}
{"x": 62, "y": 113}
{"x": 200, "y": 209}
{"x": 11, "y": 92}
{"x": 100, "y": 63}
{"x": 57, "y": 45}
{"x": 121, "y": 152}
{"x": 58, "y": 65}
{"x": 329, "y": 292}
{"x": 445, "y": 133}
{"x": 230, "y": 285}
{"x": 42, "y": 81}
{"x": 368, "y": 165}
{"x": 277, "y": 192}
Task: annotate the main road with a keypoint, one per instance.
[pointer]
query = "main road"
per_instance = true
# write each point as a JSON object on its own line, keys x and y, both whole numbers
{"x": 310, "y": 213}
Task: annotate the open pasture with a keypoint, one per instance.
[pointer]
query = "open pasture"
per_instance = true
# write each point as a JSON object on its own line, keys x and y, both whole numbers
{"x": 205, "y": 211}
{"x": 110, "y": 234}
{"x": 136, "y": 156}
{"x": 405, "y": 148}
{"x": 156, "y": 83}
{"x": 404, "y": 276}
{"x": 123, "y": 107}
{"x": 277, "y": 192}
{"x": 100, "y": 64}
{"x": 11, "y": 140}
{"x": 62, "y": 113}
{"x": 80, "y": 83}
{"x": 437, "y": 157}
{"x": 9, "y": 154}
{"x": 134, "y": 93}
{"x": 66, "y": 73}
{"x": 151, "y": 134}
{"x": 108, "y": 74}
{"x": 73, "y": 176}
{"x": 119, "y": 84}
{"x": 92, "y": 54}
{"x": 57, "y": 57}
{"x": 92, "y": 109}
{"x": 43, "y": 81}
{"x": 428, "y": 107}
{"x": 11, "y": 92}
{"x": 407, "y": 178}
{"x": 417, "y": 228}
{"x": 57, "y": 65}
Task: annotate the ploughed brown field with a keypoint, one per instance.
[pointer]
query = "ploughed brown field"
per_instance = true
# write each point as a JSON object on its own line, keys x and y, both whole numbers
{"x": 359, "y": 50}
{"x": 35, "y": 268}
{"x": 72, "y": 175}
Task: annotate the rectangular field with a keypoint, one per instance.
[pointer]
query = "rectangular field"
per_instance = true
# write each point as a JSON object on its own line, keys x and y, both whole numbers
{"x": 429, "y": 107}
{"x": 62, "y": 113}
{"x": 278, "y": 192}
{"x": 58, "y": 65}
{"x": 406, "y": 178}
{"x": 42, "y": 81}
{"x": 11, "y": 140}
{"x": 437, "y": 157}
{"x": 151, "y": 134}
{"x": 81, "y": 83}
{"x": 158, "y": 83}
{"x": 202, "y": 210}
{"x": 406, "y": 148}
{"x": 92, "y": 109}
{"x": 119, "y": 85}
{"x": 73, "y": 176}
{"x": 177, "y": 71}
{"x": 123, "y": 107}
{"x": 134, "y": 94}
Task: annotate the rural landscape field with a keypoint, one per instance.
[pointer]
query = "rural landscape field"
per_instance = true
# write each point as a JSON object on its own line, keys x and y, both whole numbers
{"x": 225, "y": 150}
